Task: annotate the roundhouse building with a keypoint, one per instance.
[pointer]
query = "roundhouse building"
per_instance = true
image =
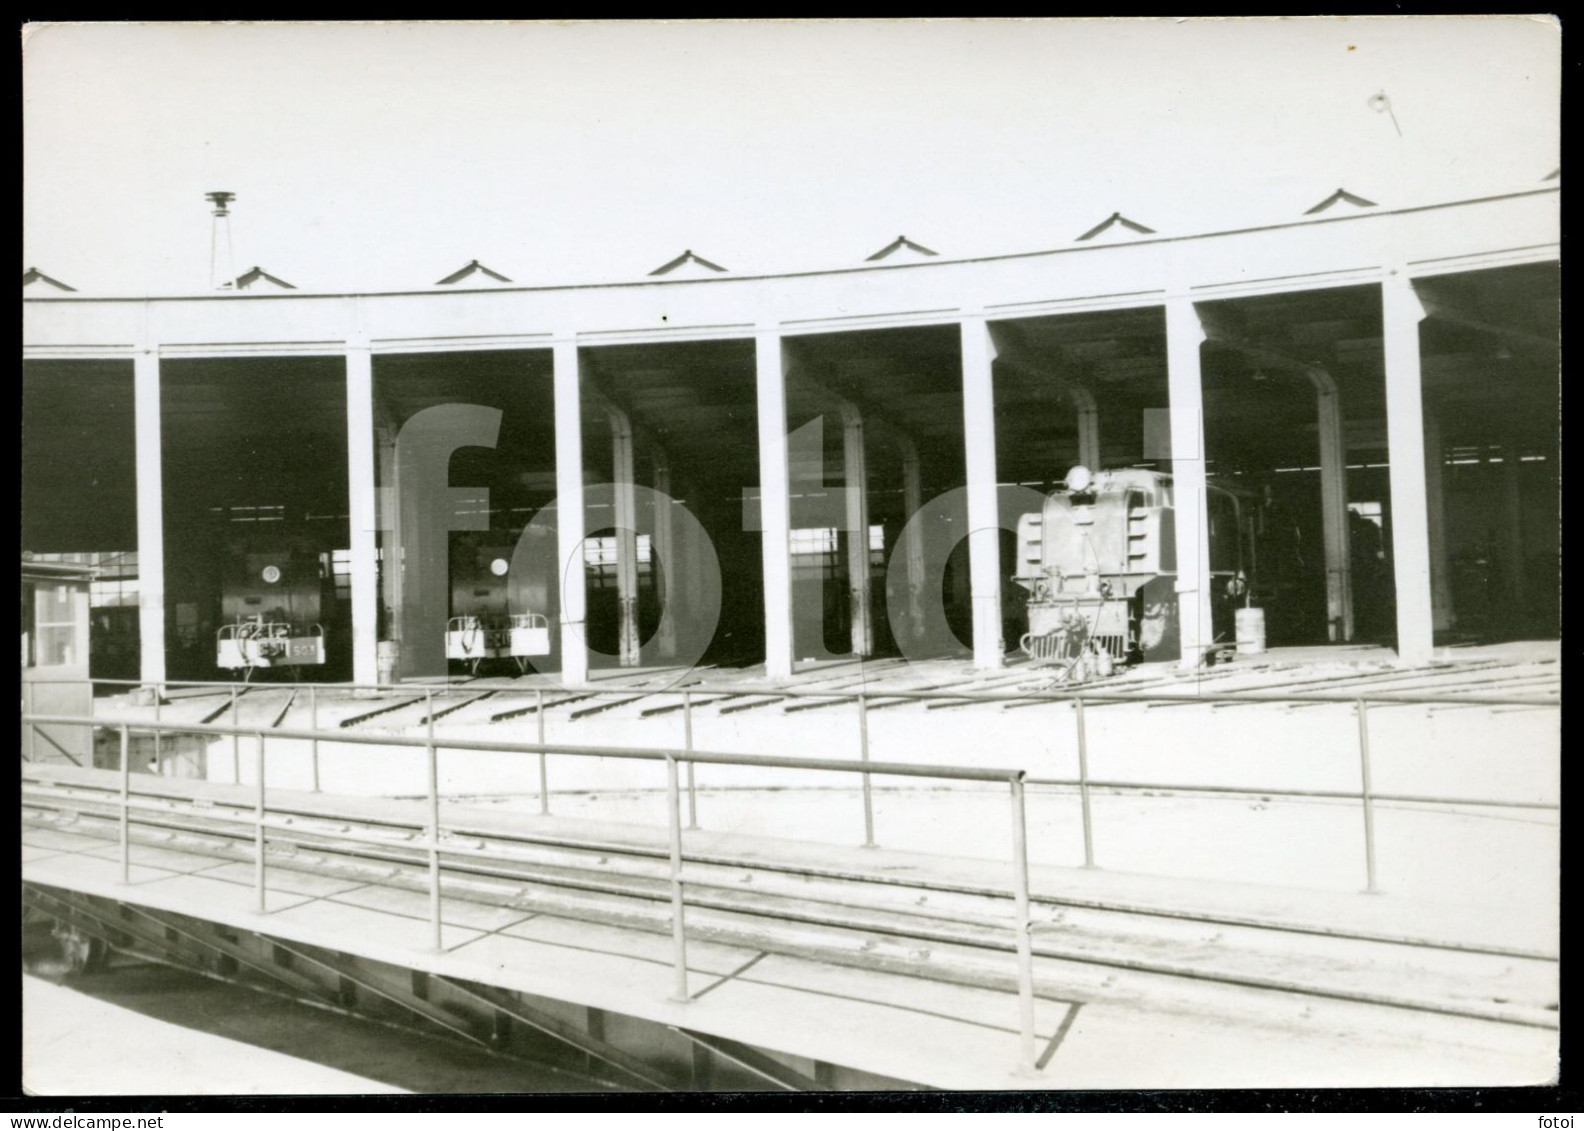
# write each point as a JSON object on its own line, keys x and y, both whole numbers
{"x": 1383, "y": 378}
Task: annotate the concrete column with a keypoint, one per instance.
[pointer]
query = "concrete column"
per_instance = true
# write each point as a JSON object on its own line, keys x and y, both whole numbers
{"x": 1401, "y": 314}
{"x": 1512, "y": 524}
{"x": 1442, "y": 614}
{"x": 626, "y": 517}
{"x": 1184, "y": 336}
{"x": 362, "y": 519}
{"x": 1088, "y": 426}
{"x": 150, "y": 516}
{"x": 855, "y": 485}
{"x": 913, "y": 533}
{"x": 391, "y": 514}
{"x": 573, "y": 579}
{"x": 984, "y": 522}
{"x": 775, "y": 511}
{"x": 1333, "y": 506}
{"x": 663, "y": 560}
{"x": 691, "y": 546}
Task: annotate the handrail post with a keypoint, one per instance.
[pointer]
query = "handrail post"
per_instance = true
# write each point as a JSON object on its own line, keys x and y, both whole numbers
{"x": 29, "y": 698}
{"x": 159, "y": 760}
{"x": 432, "y": 753}
{"x": 313, "y": 725}
{"x": 126, "y": 804}
{"x": 863, "y": 756}
{"x": 1366, "y": 796}
{"x": 258, "y": 820}
{"x": 236, "y": 741}
{"x": 1083, "y": 783}
{"x": 687, "y": 735}
{"x": 544, "y": 770}
{"x": 1022, "y": 926}
{"x": 678, "y": 905}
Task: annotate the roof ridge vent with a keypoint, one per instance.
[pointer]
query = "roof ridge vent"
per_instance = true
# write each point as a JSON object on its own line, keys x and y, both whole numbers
{"x": 685, "y": 258}
{"x": 258, "y": 274}
{"x": 899, "y": 244}
{"x": 34, "y": 275}
{"x": 473, "y": 267}
{"x": 1116, "y": 219}
{"x": 1341, "y": 196}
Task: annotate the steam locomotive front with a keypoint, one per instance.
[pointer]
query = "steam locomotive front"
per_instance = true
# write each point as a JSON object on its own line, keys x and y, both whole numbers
{"x": 272, "y": 604}
{"x": 482, "y": 625}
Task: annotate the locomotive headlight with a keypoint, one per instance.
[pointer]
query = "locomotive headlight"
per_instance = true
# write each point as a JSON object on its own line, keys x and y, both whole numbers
{"x": 271, "y": 574}
{"x": 499, "y": 567}
{"x": 1079, "y": 478}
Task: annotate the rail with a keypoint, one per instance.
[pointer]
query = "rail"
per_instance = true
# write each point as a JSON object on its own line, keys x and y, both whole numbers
{"x": 1021, "y": 924}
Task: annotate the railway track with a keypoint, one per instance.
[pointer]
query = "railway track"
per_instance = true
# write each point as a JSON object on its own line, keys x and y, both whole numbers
{"x": 254, "y": 707}
{"x": 473, "y": 702}
{"x": 916, "y": 924}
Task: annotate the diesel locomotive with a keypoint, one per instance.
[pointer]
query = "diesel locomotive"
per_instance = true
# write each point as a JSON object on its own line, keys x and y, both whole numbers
{"x": 1099, "y": 562}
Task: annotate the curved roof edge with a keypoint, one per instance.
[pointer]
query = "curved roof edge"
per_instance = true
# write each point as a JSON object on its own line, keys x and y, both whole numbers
{"x": 1361, "y": 217}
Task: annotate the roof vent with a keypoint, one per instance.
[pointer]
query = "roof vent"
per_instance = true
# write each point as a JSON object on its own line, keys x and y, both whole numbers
{"x": 901, "y": 243}
{"x": 34, "y": 275}
{"x": 683, "y": 260}
{"x": 260, "y": 276}
{"x": 474, "y": 267}
{"x": 1340, "y": 196}
{"x": 1115, "y": 220}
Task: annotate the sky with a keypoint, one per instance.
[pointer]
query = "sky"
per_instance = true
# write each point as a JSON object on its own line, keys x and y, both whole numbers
{"x": 375, "y": 157}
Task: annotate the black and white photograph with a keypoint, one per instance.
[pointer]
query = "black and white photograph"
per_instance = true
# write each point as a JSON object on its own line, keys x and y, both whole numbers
{"x": 568, "y": 559}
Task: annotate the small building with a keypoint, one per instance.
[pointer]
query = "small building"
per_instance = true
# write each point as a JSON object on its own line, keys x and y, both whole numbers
{"x": 55, "y": 659}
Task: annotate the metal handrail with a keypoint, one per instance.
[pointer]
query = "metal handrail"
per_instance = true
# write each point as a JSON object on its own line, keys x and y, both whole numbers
{"x": 695, "y": 693}
{"x": 1022, "y": 924}
{"x": 640, "y": 753}
{"x": 674, "y": 757}
{"x": 1314, "y": 794}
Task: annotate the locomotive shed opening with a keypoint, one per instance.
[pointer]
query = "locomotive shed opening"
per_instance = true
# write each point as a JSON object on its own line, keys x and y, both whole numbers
{"x": 1084, "y": 389}
{"x": 878, "y": 414}
{"x": 679, "y": 419}
{"x": 254, "y": 472}
{"x": 1492, "y": 351}
{"x": 448, "y": 548}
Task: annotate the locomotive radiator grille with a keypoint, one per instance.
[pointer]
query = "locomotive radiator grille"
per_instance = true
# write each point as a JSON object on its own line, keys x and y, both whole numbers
{"x": 1060, "y": 647}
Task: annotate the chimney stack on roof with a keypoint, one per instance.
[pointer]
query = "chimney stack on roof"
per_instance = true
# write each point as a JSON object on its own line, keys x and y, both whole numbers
{"x": 220, "y": 232}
